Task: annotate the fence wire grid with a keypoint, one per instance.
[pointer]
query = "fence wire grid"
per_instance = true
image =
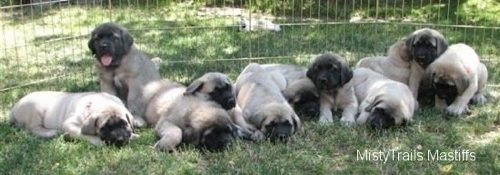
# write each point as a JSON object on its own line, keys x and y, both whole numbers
{"x": 44, "y": 42}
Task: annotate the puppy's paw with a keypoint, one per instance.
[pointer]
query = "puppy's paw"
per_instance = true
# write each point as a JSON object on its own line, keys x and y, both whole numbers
{"x": 68, "y": 138}
{"x": 257, "y": 136}
{"x": 325, "y": 120}
{"x": 479, "y": 99}
{"x": 96, "y": 142}
{"x": 348, "y": 121}
{"x": 134, "y": 136}
{"x": 139, "y": 122}
{"x": 157, "y": 61}
{"x": 244, "y": 133}
{"x": 161, "y": 147}
{"x": 457, "y": 110}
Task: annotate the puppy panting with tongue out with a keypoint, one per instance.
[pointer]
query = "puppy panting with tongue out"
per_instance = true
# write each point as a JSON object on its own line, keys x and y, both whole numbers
{"x": 123, "y": 69}
{"x": 106, "y": 60}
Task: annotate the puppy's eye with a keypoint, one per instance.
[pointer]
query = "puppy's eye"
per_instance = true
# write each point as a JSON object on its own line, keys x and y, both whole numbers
{"x": 272, "y": 123}
{"x": 328, "y": 66}
{"x": 315, "y": 68}
{"x": 333, "y": 66}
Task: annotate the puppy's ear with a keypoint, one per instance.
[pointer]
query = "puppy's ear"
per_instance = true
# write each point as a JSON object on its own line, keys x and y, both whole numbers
{"x": 293, "y": 99}
{"x": 89, "y": 126}
{"x": 442, "y": 45}
{"x": 311, "y": 72}
{"x": 462, "y": 84}
{"x": 189, "y": 135}
{"x": 374, "y": 103}
{"x": 130, "y": 120}
{"x": 236, "y": 131}
{"x": 195, "y": 86}
{"x": 258, "y": 120}
{"x": 409, "y": 44}
{"x": 296, "y": 123}
{"x": 345, "y": 74}
{"x": 127, "y": 39}
{"x": 91, "y": 44}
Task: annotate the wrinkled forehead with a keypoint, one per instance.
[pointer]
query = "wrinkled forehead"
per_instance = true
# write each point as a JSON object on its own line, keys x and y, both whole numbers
{"x": 218, "y": 79}
{"x": 114, "y": 33}
{"x": 328, "y": 59}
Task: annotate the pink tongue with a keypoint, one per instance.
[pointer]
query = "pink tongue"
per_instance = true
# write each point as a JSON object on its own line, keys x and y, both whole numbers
{"x": 106, "y": 60}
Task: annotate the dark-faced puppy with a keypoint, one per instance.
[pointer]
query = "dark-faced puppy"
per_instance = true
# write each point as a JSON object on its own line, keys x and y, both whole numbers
{"x": 99, "y": 118}
{"x": 300, "y": 90}
{"x": 303, "y": 97}
{"x": 380, "y": 119}
{"x": 426, "y": 45}
{"x": 196, "y": 114}
{"x": 217, "y": 86}
{"x": 263, "y": 105}
{"x": 193, "y": 120}
{"x": 277, "y": 122}
{"x": 445, "y": 91}
{"x": 216, "y": 137}
{"x": 329, "y": 73}
{"x": 459, "y": 67}
{"x": 110, "y": 42}
{"x": 331, "y": 76}
{"x": 115, "y": 131}
{"x": 123, "y": 69}
{"x": 383, "y": 102}
{"x": 212, "y": 86}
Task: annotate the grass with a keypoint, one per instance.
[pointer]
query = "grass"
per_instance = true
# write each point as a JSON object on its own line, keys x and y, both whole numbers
{"x": 53, "y": 43}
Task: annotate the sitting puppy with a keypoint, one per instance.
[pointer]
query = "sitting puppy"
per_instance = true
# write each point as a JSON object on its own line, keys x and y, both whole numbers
{"x": 331, "y": 76}
{"x": 263, "y": 106}
{"x": 384, "y": 102}
{"x": 300, "y": 91}
{"x": 123, "y": 69}
{"x": 458, "y": 67}
{"x": 407, "y": 60}
{"x": 96, "y": 117}
{"x": 195, "y": 115}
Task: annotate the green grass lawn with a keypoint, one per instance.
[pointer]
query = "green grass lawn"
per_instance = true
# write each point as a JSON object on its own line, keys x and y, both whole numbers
{"x": 53, "y": 43}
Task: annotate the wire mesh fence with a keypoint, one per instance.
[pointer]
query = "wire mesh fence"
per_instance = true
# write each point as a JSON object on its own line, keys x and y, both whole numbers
{"x": 43, "y": 43}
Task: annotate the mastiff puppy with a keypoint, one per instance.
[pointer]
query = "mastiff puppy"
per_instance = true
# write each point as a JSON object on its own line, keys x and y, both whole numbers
{"x": 123, "y": 69}
{"x": 196, "y": 115}
{"x": 406, "y": 60}
{"x": 396, "y": 65}
{"x": 99, "y": 118}
{"x": 383, "y": 102}
{"x": 211, "y": 86}
{"x": 300, "y": 91}
{"x": 332, "y": 76}
{"x": 458, "y": 68}
{"x": 263, "y": 105}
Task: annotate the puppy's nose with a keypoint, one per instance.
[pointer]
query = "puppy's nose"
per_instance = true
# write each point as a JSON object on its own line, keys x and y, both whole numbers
{"x": 282, "y": 137}
{"x": 311, "y": 111}
{"x": 104, "y": 45}
{"x": 231, "y": 100}
{"x": 121, "y": 138}
{"x": 322, "y": 80}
